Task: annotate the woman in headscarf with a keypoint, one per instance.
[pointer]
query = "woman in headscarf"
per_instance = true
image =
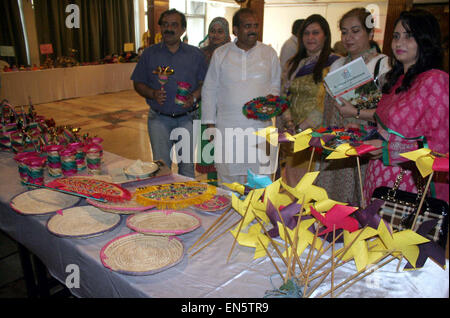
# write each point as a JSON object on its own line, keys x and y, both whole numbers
{"x": 218, "y": 35}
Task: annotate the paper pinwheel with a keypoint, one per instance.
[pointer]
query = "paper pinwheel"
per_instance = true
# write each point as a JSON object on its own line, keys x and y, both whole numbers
{"x": 402, "y": 243}
{"x": 305, "y": 236}
{"x": 287, "y": 213}
{"x": 273, "y": 136}
{"x": 358, "y": 250}
{"x": 348, "y": 150}
{"x": 338, "y": 217}
{"x": 247, "y": 207}
{"x": 163, "y": 73}
{"x": 369, "y": 216}
{"x": 427, "y": 161}
{"x": 309, "y": 138}
{"x": 252, "y": 239}
{"x": 428, "y": 250}
{"x": 254, "y": 181}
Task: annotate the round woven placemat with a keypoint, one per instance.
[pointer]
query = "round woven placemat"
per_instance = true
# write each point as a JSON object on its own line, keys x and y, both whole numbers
{"x": 140, "y": 254}
{"x": 127, "y": 207}
{"x": 163, "y": 222}
{"x": 42, "y": 202}
{"x": 82, "y": 222}
{"x": 216, "y": 203}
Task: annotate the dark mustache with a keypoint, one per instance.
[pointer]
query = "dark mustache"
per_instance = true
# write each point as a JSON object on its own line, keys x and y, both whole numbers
{"x": 253, "y": 33}
{"x": 169, "y": 32}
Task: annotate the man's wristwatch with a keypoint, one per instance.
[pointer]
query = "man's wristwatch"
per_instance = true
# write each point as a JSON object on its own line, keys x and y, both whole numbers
{"x": 358, "y": 112}
{"x": 194, "y": 101}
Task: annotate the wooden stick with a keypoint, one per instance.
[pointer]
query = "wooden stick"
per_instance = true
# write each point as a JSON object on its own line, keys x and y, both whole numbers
{"x": 213, "y": 240}
{"x": 370, "y": 269}
{"x": 363, "y": 201}
{"x": 332, "y": 262}
{"x": 273, "y": 262}
{"x": 288, "y": 274}
{"x": 307, "y": 262}
{"x": 210, "y": 228}
{"x": 271, "y": 241}
{"x": 311, "y": 159}
{"x": 320, "y": 252}
{"x": 296, "y": 237}
{"x": 325, "y": 273}
{"x": 240, "y": 227}
{"x": 422, "y": 199}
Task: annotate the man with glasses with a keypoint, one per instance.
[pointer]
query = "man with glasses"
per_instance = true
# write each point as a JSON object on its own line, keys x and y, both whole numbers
{"x": 166, "y": 112}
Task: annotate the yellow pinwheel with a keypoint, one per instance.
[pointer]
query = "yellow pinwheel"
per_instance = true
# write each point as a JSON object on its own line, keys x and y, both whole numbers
{"x": 304, "y": 238}
{"x": 402, "y": 242}
{"x": 358, "y": 250}
{"x": 427, "y": 161}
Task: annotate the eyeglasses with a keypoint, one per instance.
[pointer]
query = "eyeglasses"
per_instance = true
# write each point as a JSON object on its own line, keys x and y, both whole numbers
{"x": 172, "y": 24}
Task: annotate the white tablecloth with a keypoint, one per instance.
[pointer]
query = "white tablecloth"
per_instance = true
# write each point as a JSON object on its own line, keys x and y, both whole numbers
{"x": 50, "y": 85}
{"x": 206, "y": 275}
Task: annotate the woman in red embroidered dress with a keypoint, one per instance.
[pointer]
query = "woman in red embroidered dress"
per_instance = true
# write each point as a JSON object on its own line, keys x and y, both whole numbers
{"x": 415, "y": 103}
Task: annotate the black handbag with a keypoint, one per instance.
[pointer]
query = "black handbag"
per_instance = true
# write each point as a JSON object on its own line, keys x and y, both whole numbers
{"x": 399, "y": 210}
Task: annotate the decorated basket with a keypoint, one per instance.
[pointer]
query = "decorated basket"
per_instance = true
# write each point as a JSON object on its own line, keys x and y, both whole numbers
{"x": 263, "y": 108}
{"x": 82, "y": 222}
{"x": 163, "y": 222}
{"x": 177, "y": 195}
{"x": 139, "y": 254}
{"x": 216, "y": 203}
{"x": 42, "y": 202}
{"x": 92, "y": 187}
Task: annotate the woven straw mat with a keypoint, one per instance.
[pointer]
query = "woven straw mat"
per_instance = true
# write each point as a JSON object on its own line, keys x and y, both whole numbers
{"x": 126, "y": 207}
{"x": 139, "y": 254}
{"x": 42, "y": 201}
{"x": 163, "y": 222}
{"x": 82, "y": 221}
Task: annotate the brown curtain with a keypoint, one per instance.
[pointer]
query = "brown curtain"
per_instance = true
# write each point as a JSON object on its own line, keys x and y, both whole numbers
{"x": 11, "y": 32}
{"x": 105, "y": 25}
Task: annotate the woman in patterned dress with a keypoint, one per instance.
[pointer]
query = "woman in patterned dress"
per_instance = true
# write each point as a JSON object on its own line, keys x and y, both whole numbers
{"x": 415, "y": 103}
{"x": 303, "y": 85}
{"x": 340, "y": 178}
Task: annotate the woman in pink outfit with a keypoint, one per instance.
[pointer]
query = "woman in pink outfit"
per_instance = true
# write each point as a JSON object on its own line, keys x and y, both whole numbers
{"x": 414, "y": 110}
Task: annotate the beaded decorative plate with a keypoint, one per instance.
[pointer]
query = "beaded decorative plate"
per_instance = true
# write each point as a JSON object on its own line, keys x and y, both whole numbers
{"x": 263, "y": 108}
{"x": 176, "y": 195}
{"x": 82, "y": 222}
{"x": 139, "y": 254}
{"x": 216, "y": 203}
{"x": 163, "y": 222}
{"x": 92, "y": 187}
{"x": 42, "y": 202}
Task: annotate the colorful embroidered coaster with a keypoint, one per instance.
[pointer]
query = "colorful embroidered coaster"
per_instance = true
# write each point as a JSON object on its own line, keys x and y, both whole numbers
{"x": 139, "y": 254}
{"x": 177, "y": 195}
{"x": 263, "y": 108}
{"x": 92, "y": 187}
{"x": 216, "y": 203}
{"x": 163, "y": 222}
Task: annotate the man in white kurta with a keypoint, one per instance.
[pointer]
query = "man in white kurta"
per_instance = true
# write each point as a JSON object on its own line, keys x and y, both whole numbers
{"x": 240, "y": 71}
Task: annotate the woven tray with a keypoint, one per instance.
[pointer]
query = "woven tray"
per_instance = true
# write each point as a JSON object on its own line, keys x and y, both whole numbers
{"x": 42, "y": 202}
{"x": 216, "y": 203}
{"x": 127, "y": 207}
{"x": 82, "y": 222}
{"x": 163, "y": 222}
{"x": 140, "y": 254}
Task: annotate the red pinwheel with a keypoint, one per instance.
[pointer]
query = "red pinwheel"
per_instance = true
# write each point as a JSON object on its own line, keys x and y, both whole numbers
{"x": 337, "y": 216}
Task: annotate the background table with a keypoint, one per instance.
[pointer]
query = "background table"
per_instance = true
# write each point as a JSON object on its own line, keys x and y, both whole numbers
{"x": 51, "y": 85}
{"x": 205, "y": 275}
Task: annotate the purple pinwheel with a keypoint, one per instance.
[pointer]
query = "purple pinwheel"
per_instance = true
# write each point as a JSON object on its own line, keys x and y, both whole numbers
{"x": 369, "y": 216}
{"x": 428, "y": 250}
{"x": 287, "y": 213}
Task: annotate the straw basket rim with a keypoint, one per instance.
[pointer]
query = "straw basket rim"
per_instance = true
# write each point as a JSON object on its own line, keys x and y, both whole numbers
{"x": 82, "y": 222}
{"x": 36, "y": 206}
{"x": 163, "y": 222}
{"x": 125, "y": 207}
{"x": 113, "y": 256}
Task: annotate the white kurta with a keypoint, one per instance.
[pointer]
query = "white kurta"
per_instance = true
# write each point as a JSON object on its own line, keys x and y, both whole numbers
{"x": 235, "y": 77}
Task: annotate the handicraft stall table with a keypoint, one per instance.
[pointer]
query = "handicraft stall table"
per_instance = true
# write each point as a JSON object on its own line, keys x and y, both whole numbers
{"x": 206, "y": 274}
{"x": 49, "y": 85}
